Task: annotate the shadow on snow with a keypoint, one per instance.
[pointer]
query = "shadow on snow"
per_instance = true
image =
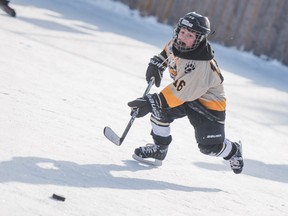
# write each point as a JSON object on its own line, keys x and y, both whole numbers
{"x": 35, "y": 170}
{"x": 258, "y": 169}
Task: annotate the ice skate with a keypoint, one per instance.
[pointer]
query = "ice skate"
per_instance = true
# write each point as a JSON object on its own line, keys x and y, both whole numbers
{"x": 151, "y": 154}
{"x": 236, "y": 161}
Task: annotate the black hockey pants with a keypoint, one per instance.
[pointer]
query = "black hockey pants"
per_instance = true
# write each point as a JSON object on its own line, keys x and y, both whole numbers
{"x": 209, "y": 134}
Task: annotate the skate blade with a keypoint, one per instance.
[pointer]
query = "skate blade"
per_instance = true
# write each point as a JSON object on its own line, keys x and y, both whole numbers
{"x": 148, "y": 161}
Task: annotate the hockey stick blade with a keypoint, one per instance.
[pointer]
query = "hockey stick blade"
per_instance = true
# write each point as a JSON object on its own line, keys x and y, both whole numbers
{"x": 112, "y": 136}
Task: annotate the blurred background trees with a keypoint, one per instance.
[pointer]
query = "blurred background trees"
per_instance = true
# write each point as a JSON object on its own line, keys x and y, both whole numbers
{"x": 258, "y": 26}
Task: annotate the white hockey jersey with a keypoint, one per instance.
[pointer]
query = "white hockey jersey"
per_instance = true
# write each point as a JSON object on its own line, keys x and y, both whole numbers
{"x": 193, "y": 80}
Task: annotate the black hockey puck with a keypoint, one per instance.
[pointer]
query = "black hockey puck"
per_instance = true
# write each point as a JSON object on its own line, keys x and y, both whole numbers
{"x": 58, "y": 197}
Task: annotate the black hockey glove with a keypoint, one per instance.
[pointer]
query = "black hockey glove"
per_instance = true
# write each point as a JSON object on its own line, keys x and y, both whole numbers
{"x": 149, "y": 103}
{"x": 155, "y": 69}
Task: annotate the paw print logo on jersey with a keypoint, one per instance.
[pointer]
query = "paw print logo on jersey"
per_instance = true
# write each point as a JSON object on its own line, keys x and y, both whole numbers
{"x": 189, "y": 67}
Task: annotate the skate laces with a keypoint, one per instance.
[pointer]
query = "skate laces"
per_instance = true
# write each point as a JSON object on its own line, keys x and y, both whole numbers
{"x": 149, "y": 148}
{"x": 236, "y": 162}
{"x": 152, "y": 151}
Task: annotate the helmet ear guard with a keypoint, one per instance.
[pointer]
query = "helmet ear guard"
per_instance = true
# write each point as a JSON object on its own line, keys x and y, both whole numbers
{"x": 202, "y": 37}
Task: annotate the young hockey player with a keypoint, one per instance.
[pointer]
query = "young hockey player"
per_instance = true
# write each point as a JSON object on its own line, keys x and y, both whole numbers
{"x": 5, "y": 7}
{"x": 196, "y": 92}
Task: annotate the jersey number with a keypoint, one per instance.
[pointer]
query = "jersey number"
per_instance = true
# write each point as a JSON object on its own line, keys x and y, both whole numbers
{"x": 179, "y": 84}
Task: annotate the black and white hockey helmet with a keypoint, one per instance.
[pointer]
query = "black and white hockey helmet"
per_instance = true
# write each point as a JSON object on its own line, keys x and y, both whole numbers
{"x": 195, "y": 23}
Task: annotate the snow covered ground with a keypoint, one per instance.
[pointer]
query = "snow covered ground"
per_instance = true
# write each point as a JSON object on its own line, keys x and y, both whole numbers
{"x": 68, "y": 69}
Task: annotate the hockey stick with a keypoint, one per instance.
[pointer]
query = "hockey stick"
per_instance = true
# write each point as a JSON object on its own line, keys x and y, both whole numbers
{"x": 112, "y": 136}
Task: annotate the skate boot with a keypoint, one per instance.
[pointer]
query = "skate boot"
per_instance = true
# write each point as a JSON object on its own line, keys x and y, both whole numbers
{"x": 5, "y": 7}
{"x": 236, "y": 161}
{"x": 151, "y": 154}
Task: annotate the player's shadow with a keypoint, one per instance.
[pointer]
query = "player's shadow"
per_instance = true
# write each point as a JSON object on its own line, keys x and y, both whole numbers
{"x": 258, "y": 169}
{"x": 35, "y": 170}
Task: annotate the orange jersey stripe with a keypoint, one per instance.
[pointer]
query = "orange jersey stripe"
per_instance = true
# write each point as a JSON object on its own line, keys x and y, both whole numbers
{"x": 171, "y": 99}
{"x": 214, "y": 105}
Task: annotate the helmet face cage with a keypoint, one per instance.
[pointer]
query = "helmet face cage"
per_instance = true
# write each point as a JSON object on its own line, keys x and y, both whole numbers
{"x": 181, "y": 46}
{"x": 193, "y": 22}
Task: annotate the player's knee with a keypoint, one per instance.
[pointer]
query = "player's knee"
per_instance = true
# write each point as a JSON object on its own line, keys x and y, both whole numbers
{"x": 212, "y": 150}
